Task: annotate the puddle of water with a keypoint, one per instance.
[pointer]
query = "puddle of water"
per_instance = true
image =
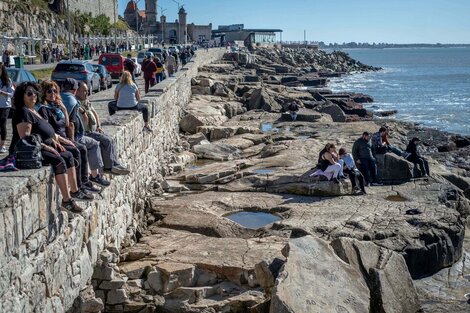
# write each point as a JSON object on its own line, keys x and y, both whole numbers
{"x": 199, "y": 164}
{"x": 253, "y": 220}
{"x": 267, "y": 127}
{"x": 263, "y": 171}
{"x": 303, "y": 137}
{"x": 396, "y": 198}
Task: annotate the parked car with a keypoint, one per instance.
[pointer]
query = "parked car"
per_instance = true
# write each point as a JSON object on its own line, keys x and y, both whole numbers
{"x": 138, "y": 67}
{"x": 105, "y": 78}
{"x": 173, "y": 49}
{"x": 82, "y": 71}
{"x": 20, "y": 75}
{"x": 155, "y": 50}
{"x": 114, "y": 63}
{"x": 142, "y": 55}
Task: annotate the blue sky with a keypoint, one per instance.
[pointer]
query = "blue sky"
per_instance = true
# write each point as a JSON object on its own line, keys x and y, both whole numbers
{"x": 392, "y": 21}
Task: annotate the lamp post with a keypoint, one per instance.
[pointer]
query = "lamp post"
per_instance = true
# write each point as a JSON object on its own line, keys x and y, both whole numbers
{"x": 115, "y": 26}
{"x": 179, "y": 30}
{"x": 69, "y": 31}
{"x": 163, "y": 34}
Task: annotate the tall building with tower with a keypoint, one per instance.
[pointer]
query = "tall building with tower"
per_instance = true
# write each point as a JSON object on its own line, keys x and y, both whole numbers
{"x": 146, "y": 22}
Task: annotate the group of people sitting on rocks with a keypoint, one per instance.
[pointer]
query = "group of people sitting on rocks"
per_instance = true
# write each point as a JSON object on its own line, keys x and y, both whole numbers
{"x": 67, "y": 129}
{"x": 361, "y": 165}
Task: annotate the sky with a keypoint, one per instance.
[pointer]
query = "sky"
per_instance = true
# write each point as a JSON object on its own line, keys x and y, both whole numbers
{"x": 390, "y": 21}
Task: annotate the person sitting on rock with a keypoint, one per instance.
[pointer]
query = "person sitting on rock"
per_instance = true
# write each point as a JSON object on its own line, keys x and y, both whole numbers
{"x": 293, "y": 110}
{"x": 92, "y": 125}
{"x": 381, "y": 144}
{"x": 349, "y": 168}
{"x": 416, "y": 158}
{"x": 328, "y": 163}
{"x": 362, "y": 154}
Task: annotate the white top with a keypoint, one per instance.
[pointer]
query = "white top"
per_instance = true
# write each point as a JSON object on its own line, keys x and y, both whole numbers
{"x": 6, "y": 93}
{"x": 126, "y": 97}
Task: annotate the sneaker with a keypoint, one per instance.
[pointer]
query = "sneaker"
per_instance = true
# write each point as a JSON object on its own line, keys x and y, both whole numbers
{"x": 88, "y": 187}
{"x": 99, "y": 181}
{"x": 71, "y": 206}
{"x": 80, "y": 195}
{"x": 120, "y": 170}
{"x": 147, "y": 129}
{"x": 3, "y": 149}
{"x": 376, "y": 184}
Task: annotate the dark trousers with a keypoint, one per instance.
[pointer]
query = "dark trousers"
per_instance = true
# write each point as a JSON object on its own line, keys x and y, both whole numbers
{"x": 369, "y": 170}
{"x": 355, "y": 176}
{"x": 159, "y": 77}
{"x": 3, "y": 122}
{"x": 60, "y": 163}
{"x": 422, "y": 164}
{"x": 149, "y": 82}
{"x": 141, "y": 107}
{"x": 79, "y": 153}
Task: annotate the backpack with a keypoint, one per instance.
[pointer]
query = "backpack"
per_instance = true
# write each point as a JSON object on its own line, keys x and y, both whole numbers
{"x": 28, "y": 152}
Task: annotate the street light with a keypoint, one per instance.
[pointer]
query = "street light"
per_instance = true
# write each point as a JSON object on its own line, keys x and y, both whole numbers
{"x": 69, "y": 31}
{"x": 163, "y": 34}
{"x": 179, "y": 27}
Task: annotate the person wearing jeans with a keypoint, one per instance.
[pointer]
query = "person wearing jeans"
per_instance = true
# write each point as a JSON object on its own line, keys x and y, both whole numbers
{"x": 362, "y": 154}
{"x": 6, "y": 94}
{"x": 349, "y": 168}
{"x": 127, "y": 96}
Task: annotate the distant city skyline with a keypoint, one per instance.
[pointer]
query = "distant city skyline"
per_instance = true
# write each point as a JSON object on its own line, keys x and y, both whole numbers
{"x": 397, "y": 21}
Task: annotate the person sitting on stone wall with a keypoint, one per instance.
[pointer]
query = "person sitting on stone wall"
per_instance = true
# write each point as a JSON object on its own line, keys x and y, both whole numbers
{"x": 416, "y": 158}
{"x": 349, "y": 168}
{"x": 26, "y": 121}
{"x": 92, "y": 124}
{"x": 127, "y": 96}
{"x": 362, "y": 154}
{"x": 54, "y": 111}
{"x": 95, "y": 160}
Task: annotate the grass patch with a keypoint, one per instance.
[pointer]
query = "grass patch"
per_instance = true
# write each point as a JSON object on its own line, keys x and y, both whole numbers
{"x": 43, "y": 73}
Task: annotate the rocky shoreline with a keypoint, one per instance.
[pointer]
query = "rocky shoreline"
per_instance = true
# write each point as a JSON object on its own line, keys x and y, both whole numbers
{"x": 401, "y": 248}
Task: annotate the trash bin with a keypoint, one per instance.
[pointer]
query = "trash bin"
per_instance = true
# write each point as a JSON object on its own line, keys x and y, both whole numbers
{"x": 19, "y": 62}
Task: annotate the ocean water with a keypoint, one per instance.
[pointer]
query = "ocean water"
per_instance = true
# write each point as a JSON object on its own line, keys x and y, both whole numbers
{"x": 430, "y": 86}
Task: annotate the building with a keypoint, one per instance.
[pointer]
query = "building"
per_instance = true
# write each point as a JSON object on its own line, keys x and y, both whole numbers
{"x": 146, "y": 23}
{"x": 250, "y": 37}
{"x": 94, "y": 7}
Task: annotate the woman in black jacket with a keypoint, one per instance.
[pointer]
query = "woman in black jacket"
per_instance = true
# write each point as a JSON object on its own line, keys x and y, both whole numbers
{"x": 416, "y": 158}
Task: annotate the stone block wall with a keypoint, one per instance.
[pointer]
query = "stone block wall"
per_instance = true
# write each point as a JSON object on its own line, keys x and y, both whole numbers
{"x": 47, "y": 257}
{"x": 95, "y": 7}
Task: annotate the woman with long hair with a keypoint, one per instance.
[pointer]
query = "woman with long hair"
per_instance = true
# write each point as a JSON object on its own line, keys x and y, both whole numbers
{"x": 127, "y": 95}
{"x": 27, "y": 121}
{"x": 52, "y": 109}
{"x": 6, "y": 93}
{"x": 328, "y": 162}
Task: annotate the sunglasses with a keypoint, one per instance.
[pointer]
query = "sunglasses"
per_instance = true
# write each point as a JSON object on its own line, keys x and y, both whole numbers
{"x": 51, "y": 90}
{"x": 31, "y": 93}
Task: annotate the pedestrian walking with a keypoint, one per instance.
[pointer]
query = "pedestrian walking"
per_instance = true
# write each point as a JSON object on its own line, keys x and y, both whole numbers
{"x": 6, "y": 93}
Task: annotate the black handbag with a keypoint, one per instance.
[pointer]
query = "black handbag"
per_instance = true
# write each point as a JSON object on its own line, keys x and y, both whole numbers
{"x": 28, "y": 152}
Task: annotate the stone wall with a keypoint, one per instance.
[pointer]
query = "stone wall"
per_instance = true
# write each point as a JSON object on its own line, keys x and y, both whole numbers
{"x": 47, "y": 257}
{"x": 95, "y": 7}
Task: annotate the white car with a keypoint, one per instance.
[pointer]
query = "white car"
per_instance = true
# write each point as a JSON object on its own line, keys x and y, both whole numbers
{"x": 138, "y": 67}
{"x": 173, "y": 49}
{"x": 142, "y": 55}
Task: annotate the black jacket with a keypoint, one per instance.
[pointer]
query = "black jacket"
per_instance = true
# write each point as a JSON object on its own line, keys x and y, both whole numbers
{"x": 362, "y": 149}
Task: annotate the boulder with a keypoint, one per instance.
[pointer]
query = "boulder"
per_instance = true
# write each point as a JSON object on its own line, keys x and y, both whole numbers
{"x": 315, "y": 279}
{"x": 333, "y": 110}
{"x": 191, "y": 121}
{"x": 261, "y": 100}
{"x": 216, "y": 151}
{"x": 200, "y": 90}
{"x": 196, "y": 139}
{"x": 206, "y": 82}
{"x": 303, "y": 115}
{"x": 384, "y": 271}
{"x": 391, "y": 167}
{"x": 457, "y": 180}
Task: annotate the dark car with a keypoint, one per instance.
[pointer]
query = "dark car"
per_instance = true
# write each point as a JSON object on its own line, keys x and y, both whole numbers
{"x": 82, "y": 71}
{"x": 20, "y": 75}
{"x": 105, "y": 77}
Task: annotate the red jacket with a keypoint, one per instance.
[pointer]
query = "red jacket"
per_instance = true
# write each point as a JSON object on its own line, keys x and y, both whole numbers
{"x": 149, "y": 68}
